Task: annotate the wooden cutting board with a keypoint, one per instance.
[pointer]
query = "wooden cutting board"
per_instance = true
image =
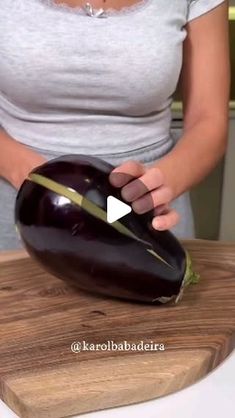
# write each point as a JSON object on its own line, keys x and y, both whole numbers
{"x": 41, "y": 316}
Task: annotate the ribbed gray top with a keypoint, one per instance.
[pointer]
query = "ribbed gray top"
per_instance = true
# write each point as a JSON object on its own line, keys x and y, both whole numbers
{"x": 80, "y": 83}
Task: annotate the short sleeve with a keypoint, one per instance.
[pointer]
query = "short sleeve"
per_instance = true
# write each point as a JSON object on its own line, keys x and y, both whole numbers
{"x": 197, "y": 8}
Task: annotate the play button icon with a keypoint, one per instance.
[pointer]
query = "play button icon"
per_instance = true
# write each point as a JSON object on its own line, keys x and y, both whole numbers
{"x": 116, "y": 209}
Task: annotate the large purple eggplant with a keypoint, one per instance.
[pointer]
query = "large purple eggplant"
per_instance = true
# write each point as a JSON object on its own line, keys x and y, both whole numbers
{"x": 61, "y": 217}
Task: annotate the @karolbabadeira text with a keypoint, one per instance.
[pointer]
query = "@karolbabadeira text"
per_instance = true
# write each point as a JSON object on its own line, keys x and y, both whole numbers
{"x": 78, "y": 346}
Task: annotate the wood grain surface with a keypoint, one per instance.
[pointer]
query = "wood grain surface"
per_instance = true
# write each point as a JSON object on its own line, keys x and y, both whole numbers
{"x": 41, "y": 316}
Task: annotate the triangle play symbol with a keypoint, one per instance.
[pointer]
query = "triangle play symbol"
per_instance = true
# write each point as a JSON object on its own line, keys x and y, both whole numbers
{"x": 116, "y": 209}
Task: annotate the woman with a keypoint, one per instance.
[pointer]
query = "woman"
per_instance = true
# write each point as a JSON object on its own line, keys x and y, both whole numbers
{"x": 77, "y": 79}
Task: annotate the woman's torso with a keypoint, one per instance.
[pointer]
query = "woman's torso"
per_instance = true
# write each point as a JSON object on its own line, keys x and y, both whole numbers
{"x": 69, "y": 81}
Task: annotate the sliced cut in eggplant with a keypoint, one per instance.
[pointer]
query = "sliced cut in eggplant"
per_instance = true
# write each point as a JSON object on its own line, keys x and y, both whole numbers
{"x": 61, "y": 217}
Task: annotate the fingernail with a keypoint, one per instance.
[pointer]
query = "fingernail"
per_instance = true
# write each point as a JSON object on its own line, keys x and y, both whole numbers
{"x": 157, "y": 224}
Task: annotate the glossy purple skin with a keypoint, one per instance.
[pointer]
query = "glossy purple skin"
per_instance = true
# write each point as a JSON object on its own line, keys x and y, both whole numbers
{"x": 81, "y": 249}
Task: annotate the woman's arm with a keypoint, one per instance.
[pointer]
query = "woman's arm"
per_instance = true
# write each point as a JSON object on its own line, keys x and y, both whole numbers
{"x": 16, "y": 160}
{"x": 205, "y": 82}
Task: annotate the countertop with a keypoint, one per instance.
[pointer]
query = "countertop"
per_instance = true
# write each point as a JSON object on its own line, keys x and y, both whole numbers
{"x": 212, "y": 396}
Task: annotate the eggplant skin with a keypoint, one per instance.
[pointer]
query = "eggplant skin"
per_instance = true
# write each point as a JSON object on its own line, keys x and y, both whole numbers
{"x": 77, "y": 246}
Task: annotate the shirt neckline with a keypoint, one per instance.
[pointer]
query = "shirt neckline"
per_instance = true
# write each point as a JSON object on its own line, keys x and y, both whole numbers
{"x": 136, "y": 7}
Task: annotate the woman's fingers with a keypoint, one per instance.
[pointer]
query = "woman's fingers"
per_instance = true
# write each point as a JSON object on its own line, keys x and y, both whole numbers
{"x": 152, "y": 178}
{"x": 157, "y": 197}
{"x": 136, "y": 181}
{"x": 126, "y": 172}
{"x": 161, "y": 209}
{"x": 167, "y": 221}
{"x": 149, "y": 181}
{"x": 145, "y": 189}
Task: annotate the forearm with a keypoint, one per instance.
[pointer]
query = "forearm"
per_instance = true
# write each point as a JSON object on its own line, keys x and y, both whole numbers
{"x": 16, "y": 160}
{"x": 196, "y": 153}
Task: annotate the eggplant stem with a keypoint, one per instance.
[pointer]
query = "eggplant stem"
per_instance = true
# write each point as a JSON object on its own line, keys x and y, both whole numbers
{"x": 90, "y": 207}
{"x": 190, "y": 277}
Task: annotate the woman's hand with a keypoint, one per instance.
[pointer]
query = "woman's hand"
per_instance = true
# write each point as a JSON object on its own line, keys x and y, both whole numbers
{"x": 28, "y": 163}
{"x": 146, "y": 192}
{"x": 16, "y": 160}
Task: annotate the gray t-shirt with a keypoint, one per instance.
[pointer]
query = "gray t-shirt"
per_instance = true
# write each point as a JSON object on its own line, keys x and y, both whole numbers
{"x": 79, "y": 83}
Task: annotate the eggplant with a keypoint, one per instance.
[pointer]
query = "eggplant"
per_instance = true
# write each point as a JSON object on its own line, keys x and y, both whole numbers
{"x": 61, "y": 218}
